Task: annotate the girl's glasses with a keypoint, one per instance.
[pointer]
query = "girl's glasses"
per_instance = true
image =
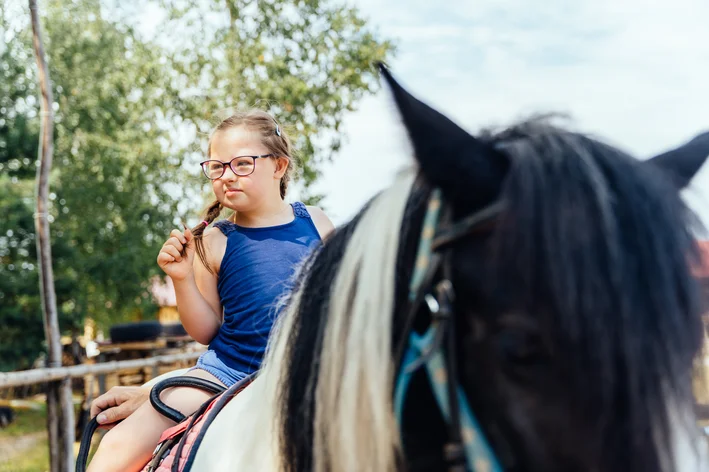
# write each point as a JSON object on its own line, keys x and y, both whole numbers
{"x": 240, "y": 165}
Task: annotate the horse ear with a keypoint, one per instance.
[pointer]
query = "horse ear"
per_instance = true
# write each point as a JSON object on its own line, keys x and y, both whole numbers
{"x": 683, "y": 163}
{"x": 468, "y": 171}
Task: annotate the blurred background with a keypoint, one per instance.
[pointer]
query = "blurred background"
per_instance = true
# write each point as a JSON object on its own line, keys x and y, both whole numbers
{"x": 139, "y": 84}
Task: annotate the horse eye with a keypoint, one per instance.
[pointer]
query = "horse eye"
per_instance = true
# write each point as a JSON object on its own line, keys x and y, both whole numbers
{"x": 521, "y": 348}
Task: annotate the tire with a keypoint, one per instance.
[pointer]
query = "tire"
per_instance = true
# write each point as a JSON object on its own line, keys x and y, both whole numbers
{"x": 173, "y": 330}
{"x": 6, "y": 416}
{"x": 142, "y": 331}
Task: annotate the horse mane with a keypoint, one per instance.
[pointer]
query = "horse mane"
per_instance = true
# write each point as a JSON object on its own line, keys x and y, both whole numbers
{"x": 598, "y": 243}
{"x": 336, "y": 359}
{"x": 594, "y": 240}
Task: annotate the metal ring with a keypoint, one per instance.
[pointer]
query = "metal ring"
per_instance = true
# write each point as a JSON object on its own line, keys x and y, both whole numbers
{"x": 432, "y": 303}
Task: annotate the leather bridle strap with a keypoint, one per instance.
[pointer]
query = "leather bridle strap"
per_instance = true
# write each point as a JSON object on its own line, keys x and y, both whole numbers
{"x": 467, "y": 448}
{"x": 475, "y": 223}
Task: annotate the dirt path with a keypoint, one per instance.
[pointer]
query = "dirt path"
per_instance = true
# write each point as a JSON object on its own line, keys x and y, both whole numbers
{"x": 11, "y": 447}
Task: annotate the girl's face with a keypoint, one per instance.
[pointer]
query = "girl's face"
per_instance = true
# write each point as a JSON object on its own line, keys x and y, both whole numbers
{"x": 245, "y": 193}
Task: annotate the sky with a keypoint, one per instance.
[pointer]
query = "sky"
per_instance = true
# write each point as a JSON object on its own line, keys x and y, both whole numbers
{"x": 633, "y": 73}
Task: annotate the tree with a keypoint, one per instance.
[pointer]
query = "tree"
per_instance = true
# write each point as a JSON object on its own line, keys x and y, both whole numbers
{"x": 109, "y": 205}
{"x": 19, "y": 296}
{"x": 132, "y": 114}
{"x": 308, "y": 62}
{"x": 60, "y": 407}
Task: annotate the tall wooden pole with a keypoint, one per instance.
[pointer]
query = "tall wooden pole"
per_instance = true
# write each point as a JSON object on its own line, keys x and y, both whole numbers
{"x": 60, "y": 408}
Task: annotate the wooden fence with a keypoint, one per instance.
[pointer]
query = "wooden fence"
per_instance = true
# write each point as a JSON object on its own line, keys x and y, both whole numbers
{"x": 64, "y": 375}
{"x": 50, "y": 374}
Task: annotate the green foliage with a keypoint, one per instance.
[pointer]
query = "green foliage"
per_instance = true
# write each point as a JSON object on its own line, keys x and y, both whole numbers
{"x": 307, "y": 62}
{"x": 20, "y": 338}
{"x": 132, "y": 115}
{"x": 19, "y": 126}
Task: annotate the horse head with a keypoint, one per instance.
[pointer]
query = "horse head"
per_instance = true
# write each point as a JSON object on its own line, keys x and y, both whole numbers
{"x": 577, "y": 318}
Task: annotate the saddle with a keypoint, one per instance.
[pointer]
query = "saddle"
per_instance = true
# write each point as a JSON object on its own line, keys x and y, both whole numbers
{"x": 178, "y": 445}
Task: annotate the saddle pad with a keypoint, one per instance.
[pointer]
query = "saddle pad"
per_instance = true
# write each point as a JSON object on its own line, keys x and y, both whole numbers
{"x": 194, "y": 431}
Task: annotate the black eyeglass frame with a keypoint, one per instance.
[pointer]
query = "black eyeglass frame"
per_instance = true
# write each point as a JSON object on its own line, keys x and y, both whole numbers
{"x": 228, "y": 164}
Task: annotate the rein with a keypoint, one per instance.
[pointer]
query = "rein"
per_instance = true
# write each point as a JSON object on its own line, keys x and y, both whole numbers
{"x": 466, "y": 448}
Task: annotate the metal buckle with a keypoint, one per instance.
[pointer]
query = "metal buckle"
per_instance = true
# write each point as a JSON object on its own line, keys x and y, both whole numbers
{"x": 441, "y": 311}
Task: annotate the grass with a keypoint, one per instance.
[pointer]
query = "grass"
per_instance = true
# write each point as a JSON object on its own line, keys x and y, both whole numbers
{"x": 34, "y": 459}
{"x": 33, "y": 422}
{"x": 26, "y": 421}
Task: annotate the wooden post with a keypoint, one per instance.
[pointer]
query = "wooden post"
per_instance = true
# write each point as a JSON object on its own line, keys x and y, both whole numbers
{"x": 101, "y": 377}
{"x": 60, "y": 409}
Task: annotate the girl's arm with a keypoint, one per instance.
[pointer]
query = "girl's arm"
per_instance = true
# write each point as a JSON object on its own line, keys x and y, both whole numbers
{"x": 198, "y": 301}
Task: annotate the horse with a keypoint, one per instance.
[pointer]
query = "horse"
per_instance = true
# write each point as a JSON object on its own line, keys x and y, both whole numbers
{"x": 520, "y": 300}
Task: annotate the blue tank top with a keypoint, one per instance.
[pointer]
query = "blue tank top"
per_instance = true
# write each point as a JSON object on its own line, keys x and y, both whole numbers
{"x": 257, "y": 269}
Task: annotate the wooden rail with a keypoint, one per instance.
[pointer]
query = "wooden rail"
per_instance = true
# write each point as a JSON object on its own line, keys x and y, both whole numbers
{"x": 49, "y": 374}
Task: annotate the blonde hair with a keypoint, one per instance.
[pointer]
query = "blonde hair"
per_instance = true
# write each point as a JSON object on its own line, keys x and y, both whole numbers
{"x": 273, "y": 137}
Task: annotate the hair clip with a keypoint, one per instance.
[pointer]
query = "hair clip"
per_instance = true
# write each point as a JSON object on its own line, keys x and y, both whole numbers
{"x": 278, "y": 130}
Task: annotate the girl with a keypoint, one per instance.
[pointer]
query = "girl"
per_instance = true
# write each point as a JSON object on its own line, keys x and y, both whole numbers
{"x": 226, "y": 295}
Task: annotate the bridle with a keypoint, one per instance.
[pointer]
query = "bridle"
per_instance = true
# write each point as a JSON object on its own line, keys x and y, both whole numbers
{"x": 430, "y": 284}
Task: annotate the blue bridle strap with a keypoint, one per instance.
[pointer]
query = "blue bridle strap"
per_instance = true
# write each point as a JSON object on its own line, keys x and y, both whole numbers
{"x": 478, "y": 453}
{"x": 426, "y": 350}
{"x": 424, "y": 251}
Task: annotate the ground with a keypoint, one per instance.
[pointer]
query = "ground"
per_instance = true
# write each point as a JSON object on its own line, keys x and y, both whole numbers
{"x": 23, "y": 444}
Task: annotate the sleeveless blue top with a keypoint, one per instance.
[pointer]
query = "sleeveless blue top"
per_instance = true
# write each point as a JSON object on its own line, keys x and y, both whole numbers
{"x": 257, "y": 269}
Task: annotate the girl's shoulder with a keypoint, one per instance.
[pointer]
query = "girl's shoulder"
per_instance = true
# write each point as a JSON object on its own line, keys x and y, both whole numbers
{"x": 300, "y": 210}
{"x": 224, "y": 227}
{"x": 320, "y": 220}
{"x": 215, "y": 246}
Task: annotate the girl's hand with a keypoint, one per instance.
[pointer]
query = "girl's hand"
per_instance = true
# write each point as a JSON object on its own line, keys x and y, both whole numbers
{"x": 177, "y": 255}
{"x": 118, "y": 403}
